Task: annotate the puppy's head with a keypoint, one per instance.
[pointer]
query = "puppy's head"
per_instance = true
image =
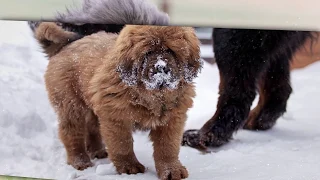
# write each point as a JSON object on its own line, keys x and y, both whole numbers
{"x": 158, "y": 57}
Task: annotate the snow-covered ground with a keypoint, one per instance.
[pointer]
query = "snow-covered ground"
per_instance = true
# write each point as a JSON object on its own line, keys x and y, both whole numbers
{"x": 28, "y": 128}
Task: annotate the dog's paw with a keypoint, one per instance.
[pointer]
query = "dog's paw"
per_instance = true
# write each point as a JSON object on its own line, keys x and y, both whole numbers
{"x": 191, "y": 138}
{"x": 130, "y": 168}
{"x": 257, "y": 121}
{"x": 80, "y": 163}
{"x": 172, "y": 171}
{"x": 258, "y": 126}
{"x": 202, "y": 140}
{"x": 99, "y": 154}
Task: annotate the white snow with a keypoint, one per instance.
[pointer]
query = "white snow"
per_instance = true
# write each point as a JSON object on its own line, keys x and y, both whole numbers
{"x": 30, "y": 146}
{"x": 160, "y": 62}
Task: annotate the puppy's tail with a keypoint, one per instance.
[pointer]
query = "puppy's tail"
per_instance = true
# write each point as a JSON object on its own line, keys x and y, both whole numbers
{"x": 51, "y": 36}
{"x": 118, "y": 12}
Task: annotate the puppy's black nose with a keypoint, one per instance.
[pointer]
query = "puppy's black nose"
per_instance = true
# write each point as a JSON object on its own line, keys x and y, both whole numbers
{"x": 166, "y": 70}
{"x": 162, "y": 69}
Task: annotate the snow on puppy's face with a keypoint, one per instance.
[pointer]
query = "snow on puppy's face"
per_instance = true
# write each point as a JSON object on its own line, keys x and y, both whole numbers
{"x": 160, "y": 70}
{"x": 158, "y": 57}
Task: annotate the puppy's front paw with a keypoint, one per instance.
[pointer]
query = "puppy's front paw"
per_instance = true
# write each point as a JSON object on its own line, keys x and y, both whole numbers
{"x": 130, "y": 168}
{"x": 172, "y": 171}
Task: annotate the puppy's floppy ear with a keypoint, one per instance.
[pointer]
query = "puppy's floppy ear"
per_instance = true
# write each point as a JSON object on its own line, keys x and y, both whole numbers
{"x": 128, "y": 73}
{"x": 194, "y": 63}
{"x": 126, "y": 53}
{"x": 127, "y": 68}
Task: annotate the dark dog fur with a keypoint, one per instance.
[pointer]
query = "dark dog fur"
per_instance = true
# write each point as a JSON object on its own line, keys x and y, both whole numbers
{"x": 249, "y": 60}
{"x": 110, "y": 16}
{"x": 94, "y": 16}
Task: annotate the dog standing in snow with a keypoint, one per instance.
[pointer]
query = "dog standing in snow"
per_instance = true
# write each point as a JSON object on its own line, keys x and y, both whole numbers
{"x": 106, "y": 85}
{"x": 250, "y": 61}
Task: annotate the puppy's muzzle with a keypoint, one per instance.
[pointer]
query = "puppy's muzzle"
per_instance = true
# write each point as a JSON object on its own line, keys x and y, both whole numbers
{"x": 162, "y": 69}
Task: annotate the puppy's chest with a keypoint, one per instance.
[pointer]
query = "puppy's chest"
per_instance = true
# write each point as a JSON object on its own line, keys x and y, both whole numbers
{"x": 145, "y": 117}
{"x": 149, "y": 121}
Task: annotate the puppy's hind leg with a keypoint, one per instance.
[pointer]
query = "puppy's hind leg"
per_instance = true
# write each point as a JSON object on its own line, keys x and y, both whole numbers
{"x": 72, "y": 133}
{"x": 94, "y": 144}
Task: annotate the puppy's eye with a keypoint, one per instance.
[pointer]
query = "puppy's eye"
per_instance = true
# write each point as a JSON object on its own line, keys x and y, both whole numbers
{"x": 148, "y": 53}
{"x": 169, "y": 51}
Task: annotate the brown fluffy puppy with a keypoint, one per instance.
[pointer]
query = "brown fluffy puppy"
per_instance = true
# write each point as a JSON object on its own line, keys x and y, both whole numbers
{"x": 139, "y": 79}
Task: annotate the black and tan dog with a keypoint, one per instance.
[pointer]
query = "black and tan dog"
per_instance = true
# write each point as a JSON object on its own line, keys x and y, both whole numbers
{"x": 249, "y": 60}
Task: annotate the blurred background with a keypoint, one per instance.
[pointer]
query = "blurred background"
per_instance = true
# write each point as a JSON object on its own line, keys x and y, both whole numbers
{"x": 202, "y": 14}
{"x": 271, "y": 14}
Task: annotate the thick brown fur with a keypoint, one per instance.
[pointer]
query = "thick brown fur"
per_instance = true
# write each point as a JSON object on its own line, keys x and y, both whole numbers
{"x": 53, "y": 37}
{"x": 88, "y": 87}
